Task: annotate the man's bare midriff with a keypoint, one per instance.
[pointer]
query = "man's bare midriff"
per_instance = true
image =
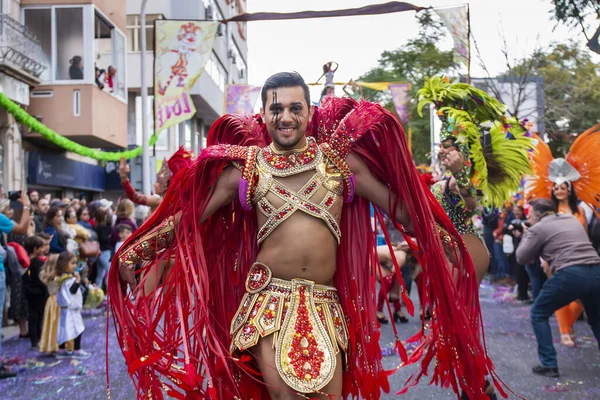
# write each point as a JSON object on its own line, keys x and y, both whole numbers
{"x": 301, "y": 247}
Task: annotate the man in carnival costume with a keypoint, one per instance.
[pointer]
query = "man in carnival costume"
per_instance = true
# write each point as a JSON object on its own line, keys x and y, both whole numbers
{"x": 179, "y": 160}
{"x": 273, "y": 220}
{"x": 485, "y": 156}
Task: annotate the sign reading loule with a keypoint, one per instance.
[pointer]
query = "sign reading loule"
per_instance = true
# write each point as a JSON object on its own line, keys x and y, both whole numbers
{"x": 181, "y": 52}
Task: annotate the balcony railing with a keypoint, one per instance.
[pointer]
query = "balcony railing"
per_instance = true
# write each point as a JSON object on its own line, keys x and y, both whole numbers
{"x": 20, "y": 49}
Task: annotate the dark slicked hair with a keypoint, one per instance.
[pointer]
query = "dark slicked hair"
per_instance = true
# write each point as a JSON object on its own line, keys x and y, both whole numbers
{"x": 281, "y": 80}
{"x": 543, "y": 206}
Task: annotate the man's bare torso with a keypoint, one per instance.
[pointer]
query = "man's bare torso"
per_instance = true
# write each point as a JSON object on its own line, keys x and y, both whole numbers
{"x": 302, "y": 246}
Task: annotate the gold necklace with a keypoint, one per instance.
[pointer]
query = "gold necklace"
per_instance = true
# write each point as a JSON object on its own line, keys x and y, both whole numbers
{"x": 283, "y": 152}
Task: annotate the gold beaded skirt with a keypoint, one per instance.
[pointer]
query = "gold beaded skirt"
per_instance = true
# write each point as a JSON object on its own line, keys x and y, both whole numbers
{"x": 306, "y": 320}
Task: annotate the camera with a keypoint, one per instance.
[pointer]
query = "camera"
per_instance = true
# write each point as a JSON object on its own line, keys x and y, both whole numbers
{"x": 14, "y": 195}
{"x": 518, "y": 224}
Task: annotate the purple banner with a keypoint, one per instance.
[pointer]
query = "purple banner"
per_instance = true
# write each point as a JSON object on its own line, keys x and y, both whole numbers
{"x": 240, "y": 99}
{"x": 401, "y": 98}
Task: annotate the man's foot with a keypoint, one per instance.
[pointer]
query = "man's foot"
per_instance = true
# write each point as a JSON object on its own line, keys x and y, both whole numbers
{"x": 488, "y": 389}
{"x": 566, "y": 340}
{"x": 545, "y": 371}
{"x": 62, "y": 353}
{"x": 82, "y": 354}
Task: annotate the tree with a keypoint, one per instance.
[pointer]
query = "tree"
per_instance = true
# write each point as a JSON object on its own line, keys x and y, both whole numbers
{"x": 574, "y": 12}
{"x": 571, "y": 90}
{"x": 420, "y": 57}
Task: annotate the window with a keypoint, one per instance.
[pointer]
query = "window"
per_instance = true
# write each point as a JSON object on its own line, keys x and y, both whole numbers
{"x": 109, "y": 45}
{"x": 39, "y": 20}
{"x": 238, "y": 61}
{"x": 69, "y": 44}
{"x": 216, "y": 71}
{"x": 133, "y": 32}
{"x": 75, "y": 40}
{"x": 213, "y": 11}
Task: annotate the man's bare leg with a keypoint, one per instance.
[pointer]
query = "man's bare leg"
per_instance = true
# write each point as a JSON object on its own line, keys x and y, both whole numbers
{"x": 278, "y": 390}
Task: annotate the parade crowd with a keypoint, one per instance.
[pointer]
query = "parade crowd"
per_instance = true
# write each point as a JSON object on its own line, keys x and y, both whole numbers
{"x": 54, "y": 259}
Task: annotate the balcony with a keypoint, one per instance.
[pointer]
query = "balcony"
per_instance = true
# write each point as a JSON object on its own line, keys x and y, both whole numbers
{"x": 81, "y": 40}
{"x": 21, "y": 54}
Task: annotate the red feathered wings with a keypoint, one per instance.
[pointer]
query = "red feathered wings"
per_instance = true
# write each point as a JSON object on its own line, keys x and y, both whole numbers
{"x": 176, "y": 338}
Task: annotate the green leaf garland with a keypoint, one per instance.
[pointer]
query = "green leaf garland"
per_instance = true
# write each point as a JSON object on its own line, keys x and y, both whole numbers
{"x": 23, "y": 117}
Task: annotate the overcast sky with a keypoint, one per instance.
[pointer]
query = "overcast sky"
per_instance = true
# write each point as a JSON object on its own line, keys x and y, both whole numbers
{"x": 357, "y": 42}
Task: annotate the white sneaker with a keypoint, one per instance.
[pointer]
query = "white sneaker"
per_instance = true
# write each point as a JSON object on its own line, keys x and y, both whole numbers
{"x": 81, "y": 354}
{"x": 62, "y": 353}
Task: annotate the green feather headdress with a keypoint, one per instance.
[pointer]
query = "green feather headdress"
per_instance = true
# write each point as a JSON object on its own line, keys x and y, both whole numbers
{"x": 496, "y": 147}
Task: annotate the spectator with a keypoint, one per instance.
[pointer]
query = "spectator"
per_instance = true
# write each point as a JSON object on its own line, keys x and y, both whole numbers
{"x": 34, "y": 197}
{"x": 75, "y": 204}
{"x": 514, "y": 228}
{"x": 39, "y": 217}
{"x": 83, "y": 217}
{"x": 110, "y": 78}
{"x": 76, "y": 68}
{"x": 562, "y": 241}
{"x": 48, "y": 276}
{"x": 8, "y": 226}
{"x": 54, "y": 221}
{"x": 34, "y": 289}
{"x": 59, "y": 204}
{"x": 70, "y": 301}
{"x": 81, "y": 234}
{"x": 99, "y": 77}
{"x": 503, "y": 267}
{"x": 124, "y": 233}
{"x": 103, "y": 230}
{"x": 489, "y": 220}
{"x": 125, "y": 212}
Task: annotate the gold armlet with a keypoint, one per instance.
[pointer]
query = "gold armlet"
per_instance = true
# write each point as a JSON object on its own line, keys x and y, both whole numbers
{"x": 150, "y": 246}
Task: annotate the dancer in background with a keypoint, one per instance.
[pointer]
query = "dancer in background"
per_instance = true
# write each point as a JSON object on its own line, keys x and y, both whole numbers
{"x": 484, "y": 154}
{"x": 566, "y": 181}
{"x": 182, "y": 158}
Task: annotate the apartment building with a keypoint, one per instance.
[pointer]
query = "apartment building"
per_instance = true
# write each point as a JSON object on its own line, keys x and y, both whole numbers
{"x": 227, "y": 64}
{"x": 21, "y": 65}
{"x": 77, "y": 38}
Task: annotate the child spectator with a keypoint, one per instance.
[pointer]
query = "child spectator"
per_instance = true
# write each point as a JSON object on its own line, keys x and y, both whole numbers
{"x": 34, "y": 289}
{"x": 48, "y": 276}
{"x": 124, "y": 231}
{"x": 70, "y": 301}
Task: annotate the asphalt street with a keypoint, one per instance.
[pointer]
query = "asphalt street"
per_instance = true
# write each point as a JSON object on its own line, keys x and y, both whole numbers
{"x": 509, "y": 335}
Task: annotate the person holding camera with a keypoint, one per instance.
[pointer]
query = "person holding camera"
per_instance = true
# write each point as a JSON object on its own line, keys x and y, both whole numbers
{"x": 561, "y": 240}
{"x": 7, "y": 226}
{"x": 514, "y": 228}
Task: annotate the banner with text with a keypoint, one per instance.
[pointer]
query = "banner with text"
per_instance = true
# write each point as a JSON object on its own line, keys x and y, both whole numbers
{"x": 401, "y": 98}
{"x": 456, "y": 20}
{"x": 241, "y": 99}
{"x": 181, "y": 52}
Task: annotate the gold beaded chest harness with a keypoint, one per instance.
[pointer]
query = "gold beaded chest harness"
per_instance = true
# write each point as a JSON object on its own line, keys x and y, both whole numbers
{"x": 271, "y": 164}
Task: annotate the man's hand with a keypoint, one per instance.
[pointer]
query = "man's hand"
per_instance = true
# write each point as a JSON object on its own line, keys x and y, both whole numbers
{"x": 123, "y": 169}
{"x": 453, "y": 161}
{"x": 25, "y": 199}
